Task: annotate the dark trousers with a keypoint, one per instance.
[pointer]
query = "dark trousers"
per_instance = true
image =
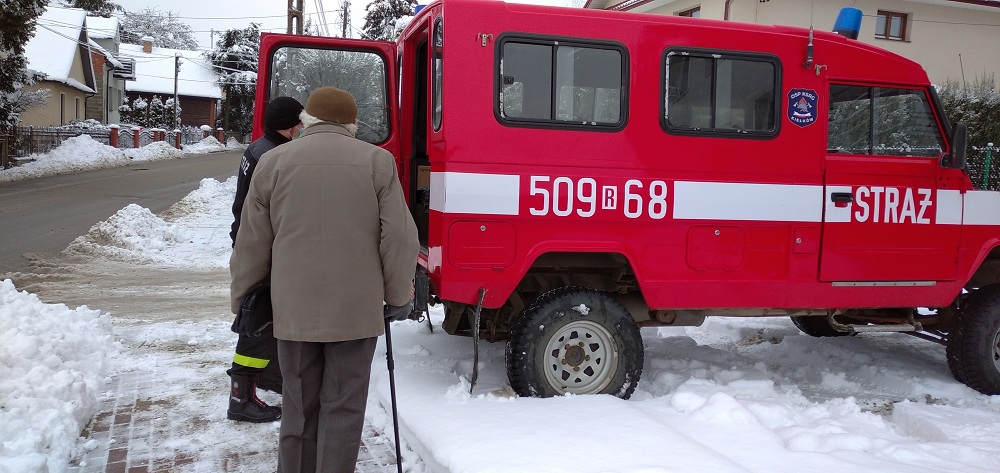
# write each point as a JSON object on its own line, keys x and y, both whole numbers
{"x": 323, "y": 404}
{"x": 257, "y": 355}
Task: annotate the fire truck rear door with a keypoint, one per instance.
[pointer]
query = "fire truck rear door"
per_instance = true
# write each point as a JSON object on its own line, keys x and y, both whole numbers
{"x": 295, "y": 65}
{"x": 882, "y": 195}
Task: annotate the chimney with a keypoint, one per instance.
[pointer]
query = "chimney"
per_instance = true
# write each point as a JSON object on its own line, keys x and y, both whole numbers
{"x": 147, "y": 44}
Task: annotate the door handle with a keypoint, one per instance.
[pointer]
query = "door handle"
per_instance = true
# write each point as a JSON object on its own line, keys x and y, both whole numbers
{"x": 842, "y": 197}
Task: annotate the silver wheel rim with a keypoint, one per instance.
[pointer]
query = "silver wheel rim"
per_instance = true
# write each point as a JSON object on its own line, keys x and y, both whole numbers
{"x": 580, "y": 358}
{"x": 996, "y": 350}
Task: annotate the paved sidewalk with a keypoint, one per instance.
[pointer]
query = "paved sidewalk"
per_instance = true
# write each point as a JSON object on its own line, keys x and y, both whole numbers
{"x": 130, "y": 434}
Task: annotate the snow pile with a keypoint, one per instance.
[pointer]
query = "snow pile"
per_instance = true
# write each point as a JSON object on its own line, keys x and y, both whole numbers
{"x": 80, "y": 153}
{"x": 207, "y": 145}
{"x": 52, "y": 362}
{"x": 154, "y": 151}
{"x": 83, "y": 153}
{"x": 195, "y": 237}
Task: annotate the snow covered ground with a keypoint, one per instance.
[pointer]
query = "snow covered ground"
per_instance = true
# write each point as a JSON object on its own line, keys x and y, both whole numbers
{"x": 734, "y": 395}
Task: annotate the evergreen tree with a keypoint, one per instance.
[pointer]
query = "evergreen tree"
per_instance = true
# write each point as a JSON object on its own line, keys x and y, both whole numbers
{"x": 17, "y": 26}
{"x": 381, "y": 17}
{"x": 103, "y": 8}
{"x": 977, "y": 105}
{"x": 165, "y": 29}
{"x": 157, "y": 113}
{"x": 125, "y": 112}
{"x": 140, "y": 112}
{"x": 170, "y": 121}
{"x": 235, "y": 59}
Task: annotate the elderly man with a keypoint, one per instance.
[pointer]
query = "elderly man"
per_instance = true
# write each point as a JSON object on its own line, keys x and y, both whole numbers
{"x": 325, "y": 215}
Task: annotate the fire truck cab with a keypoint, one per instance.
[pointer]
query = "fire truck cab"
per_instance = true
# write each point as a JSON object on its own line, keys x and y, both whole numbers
{"x": 576, "y": 175}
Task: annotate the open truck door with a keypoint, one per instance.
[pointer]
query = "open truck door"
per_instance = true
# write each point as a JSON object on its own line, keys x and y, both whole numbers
{"x": 295, "y": 65}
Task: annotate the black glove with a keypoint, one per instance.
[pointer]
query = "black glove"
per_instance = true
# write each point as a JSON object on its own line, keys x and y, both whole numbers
{"x": 395, "y": 313}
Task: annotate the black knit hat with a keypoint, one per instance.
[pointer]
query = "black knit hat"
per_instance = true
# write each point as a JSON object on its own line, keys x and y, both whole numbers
{"x": 282, "y": 113}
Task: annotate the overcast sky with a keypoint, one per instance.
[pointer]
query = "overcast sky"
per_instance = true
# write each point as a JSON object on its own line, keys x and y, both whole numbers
{"x": 206, "y": 15}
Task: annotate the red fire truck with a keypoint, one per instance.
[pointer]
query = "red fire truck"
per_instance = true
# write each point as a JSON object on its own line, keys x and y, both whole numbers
{"x": 577, "y": 174}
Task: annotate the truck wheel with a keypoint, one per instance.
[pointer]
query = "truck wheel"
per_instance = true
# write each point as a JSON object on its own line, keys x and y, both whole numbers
{"x": 815, "y": 326}
{"x": 974, "y": 346}
{"x": 574, "y": 340}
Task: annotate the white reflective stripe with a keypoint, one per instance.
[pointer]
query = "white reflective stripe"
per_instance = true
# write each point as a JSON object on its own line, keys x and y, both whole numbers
{"x": 485, "y": 194}
{"x": 982, "y": 208}
{"x": 949, "y": 207}
{"x": 755, "y": 202}
{"x": 836, "y": 214}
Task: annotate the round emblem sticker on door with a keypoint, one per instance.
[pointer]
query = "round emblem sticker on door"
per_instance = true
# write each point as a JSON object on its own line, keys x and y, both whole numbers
{"x": 802, "y": 106}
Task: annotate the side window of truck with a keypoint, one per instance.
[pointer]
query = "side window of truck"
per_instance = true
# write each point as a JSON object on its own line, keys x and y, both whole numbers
{"x": 297, "y": 71}
{"x": 719, "y": 93}
{"x": 882, "y": 121}
{"x": 561, "y": 83}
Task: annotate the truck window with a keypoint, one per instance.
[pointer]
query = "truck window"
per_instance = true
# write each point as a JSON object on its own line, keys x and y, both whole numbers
{"x": 882, "y": 121}
{"x": 545, "y": 82}
{"x": 437, "y": 74}
{"x": 720, "y": 94}
{"x": 296, "y": 72}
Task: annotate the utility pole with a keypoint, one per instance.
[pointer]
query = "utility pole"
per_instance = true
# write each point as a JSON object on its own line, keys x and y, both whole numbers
{"x": 345, "y": 18}
{"x": 295, "y": 16}
{"x": 177, "y": 71}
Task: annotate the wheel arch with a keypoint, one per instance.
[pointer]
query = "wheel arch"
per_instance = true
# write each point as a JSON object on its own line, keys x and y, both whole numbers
{"x": 986, "y": 269}
{"x": 608, "y": 270}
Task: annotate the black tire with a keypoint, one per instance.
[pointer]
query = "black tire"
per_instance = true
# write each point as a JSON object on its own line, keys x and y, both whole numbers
{"x": 547, "y": 354}
{"x": 974, "y": 345}
{"x": 816, "y": 326}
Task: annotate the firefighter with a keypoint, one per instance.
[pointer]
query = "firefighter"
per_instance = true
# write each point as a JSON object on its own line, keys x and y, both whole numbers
{"x": 325, "y": 215}
{"x": 255, "y": 363}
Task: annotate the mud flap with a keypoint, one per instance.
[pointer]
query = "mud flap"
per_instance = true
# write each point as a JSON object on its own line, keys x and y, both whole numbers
{"x": 421, "y": 297}
{"x": 475, "y": 339}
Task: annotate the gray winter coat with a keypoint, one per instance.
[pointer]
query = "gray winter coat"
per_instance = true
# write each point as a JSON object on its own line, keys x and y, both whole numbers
{"x": 326, "y": 215}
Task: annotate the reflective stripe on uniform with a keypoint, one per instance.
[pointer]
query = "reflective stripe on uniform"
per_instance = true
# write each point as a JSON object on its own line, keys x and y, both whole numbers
{"x": 250, "y": 362}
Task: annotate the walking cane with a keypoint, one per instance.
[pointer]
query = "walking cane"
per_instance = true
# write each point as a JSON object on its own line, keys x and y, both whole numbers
{"x": 392, "y": 394}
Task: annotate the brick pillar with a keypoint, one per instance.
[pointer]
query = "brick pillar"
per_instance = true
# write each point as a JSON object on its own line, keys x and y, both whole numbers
{"x": 113, "y": 136}
{"x": 177, "y": 139}
{"x": 135, "y": 136}
{"x": 205, "y": 132}
{"x": 220, "y": 135}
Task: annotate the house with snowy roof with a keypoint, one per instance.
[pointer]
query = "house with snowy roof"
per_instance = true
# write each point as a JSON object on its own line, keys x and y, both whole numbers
{"x": 110, "y": 71}
{"x": 952, "y": 39}
{"x": 198, "y": 91}
{"x": 60, "y": 50}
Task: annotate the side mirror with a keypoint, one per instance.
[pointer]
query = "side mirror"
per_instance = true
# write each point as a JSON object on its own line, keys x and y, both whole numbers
{"x": 959, "y": 136}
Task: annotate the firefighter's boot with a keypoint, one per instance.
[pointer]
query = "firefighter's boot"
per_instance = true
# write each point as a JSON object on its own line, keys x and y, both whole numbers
{"x": 244, "y": 404}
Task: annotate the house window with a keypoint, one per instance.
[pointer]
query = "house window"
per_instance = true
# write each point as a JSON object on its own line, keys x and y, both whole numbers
{"x": 719, "y": 93}
{"x": 62, "y": 109}
{"x": 561, "y": 83}
{"x": 692, "y": 13}
{"x": 76, "y": 111}
{"x": 891, "y": 25}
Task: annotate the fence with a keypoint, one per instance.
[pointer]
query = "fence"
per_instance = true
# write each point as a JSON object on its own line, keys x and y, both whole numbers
{"x": 25, "y": 141}
{"x": 984, "y": 167}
